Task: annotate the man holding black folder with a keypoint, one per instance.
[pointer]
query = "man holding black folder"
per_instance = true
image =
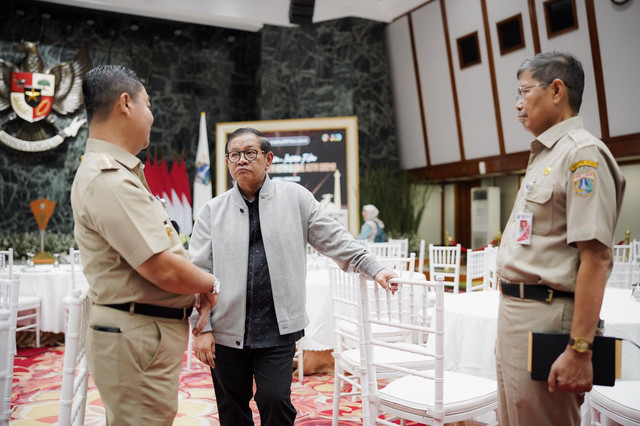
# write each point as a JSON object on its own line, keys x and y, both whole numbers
{"x": 555, "y": 253}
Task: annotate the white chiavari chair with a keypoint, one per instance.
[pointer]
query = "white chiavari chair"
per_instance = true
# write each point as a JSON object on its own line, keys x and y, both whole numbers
{"x": 9, "y": 289}
{"x": 75, "y": 372}
{"x": 445, "y": 261}
{"x": 6, "y": 374}
{"x": 424, "y": 396}
{"x": 404, "y": 245}
{"x": 616, "y": 405}
{"x": 348, "y": 365}
{"x": 28, "y": 307}
{"x": 622, "y": 269}
{"x": 491, "y": 260}
{"x": 385, "y": 250}
{"x": 476, "y": 270}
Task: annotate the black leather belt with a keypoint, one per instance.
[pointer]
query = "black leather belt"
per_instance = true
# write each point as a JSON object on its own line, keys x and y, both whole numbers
{"x": 153, "y": 310}
{"x": 532, "y": 291}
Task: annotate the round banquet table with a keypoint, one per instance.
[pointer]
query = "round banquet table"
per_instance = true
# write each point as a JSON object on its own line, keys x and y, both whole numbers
{"x": 52, "y": 285}
{"x": 471, "y": 321}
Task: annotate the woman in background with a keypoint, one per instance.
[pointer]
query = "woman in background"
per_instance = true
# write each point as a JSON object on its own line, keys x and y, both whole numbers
{"x": 373, "y": 228}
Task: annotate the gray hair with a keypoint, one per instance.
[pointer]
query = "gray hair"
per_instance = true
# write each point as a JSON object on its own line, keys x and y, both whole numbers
{"x": 546, "y": 67}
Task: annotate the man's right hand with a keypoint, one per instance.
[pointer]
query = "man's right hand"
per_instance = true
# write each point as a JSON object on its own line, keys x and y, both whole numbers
{"x": 204, "y": 304}
{"x": 204, "y": 347}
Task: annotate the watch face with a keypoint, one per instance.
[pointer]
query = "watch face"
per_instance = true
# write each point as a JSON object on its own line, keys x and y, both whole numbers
{"x": 580, "y": 345}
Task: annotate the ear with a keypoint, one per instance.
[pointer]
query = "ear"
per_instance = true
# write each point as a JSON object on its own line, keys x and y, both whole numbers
{"x": 123, "y": 104}
{"x": 560, "y": 91}
{"x": 269, "y": 158}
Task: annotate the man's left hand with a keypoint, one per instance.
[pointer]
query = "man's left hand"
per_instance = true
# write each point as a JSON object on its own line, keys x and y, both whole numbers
{"x": 383, "y": 276}
{"x": 571, "y": 372}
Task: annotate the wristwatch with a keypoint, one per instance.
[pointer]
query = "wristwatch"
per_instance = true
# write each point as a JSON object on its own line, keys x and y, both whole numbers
{"x": 580, "y": 344}
{"x": 216, "y": 286}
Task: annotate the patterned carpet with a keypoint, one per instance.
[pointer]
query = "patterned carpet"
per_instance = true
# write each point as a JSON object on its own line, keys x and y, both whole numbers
{"x": 38, "y": 377}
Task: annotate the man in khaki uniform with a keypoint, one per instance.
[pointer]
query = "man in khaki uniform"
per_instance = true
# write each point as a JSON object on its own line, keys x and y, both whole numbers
{"x": 555, "y": 253}
{"x": 142, "y": 284}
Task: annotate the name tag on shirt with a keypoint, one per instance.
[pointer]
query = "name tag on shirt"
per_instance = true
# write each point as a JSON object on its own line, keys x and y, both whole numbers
{"x": 524, "y": 222}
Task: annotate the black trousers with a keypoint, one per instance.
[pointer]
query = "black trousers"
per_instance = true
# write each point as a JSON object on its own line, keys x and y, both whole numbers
{"x": 233, "y": 383}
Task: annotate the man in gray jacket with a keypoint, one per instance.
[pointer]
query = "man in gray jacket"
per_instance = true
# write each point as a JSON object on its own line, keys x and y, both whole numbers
{"x": 254, "y": 237}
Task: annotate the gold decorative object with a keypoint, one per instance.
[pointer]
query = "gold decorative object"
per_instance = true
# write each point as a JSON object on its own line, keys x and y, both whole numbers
{"x": 42, "y": 210}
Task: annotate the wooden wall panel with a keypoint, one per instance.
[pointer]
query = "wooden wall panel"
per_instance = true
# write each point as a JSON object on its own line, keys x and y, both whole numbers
{"x": 619, "y": 35}
{"x": 435, "y": 82}
{"x": 477, "y": 115}
{"x": 411, "y": 146}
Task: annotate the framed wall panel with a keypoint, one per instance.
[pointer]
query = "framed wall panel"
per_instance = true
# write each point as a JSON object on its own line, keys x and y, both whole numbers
{"x": 468, "y": 50}
{"x": 560, "y": 16}
{"x": 510, "y": 34}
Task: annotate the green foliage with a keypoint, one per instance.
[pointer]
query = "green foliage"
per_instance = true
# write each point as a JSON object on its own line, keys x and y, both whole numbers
{"x": 401, "y": 204}
{"x": 29, "y": 242}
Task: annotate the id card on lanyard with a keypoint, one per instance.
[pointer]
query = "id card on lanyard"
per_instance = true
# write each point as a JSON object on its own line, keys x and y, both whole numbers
{"x": 524, "y": 223}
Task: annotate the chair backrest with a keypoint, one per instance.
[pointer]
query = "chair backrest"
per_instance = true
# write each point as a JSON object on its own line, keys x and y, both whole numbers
{"x": 635, "y": 248}
{"x": 75, "y": 372}
{"x": 385, "y": 250}
{"x": 491, "y": 268}
{"x": 76, "y": 267}
{"x": 345, "y": 297}
{"x": 404, "y": 245}
{"x": 6, "y": 262}
{"x": 421, "y": 257}
{"x": 9, "y": 296}
{"x": 390, "y": 311}
{"x": 403, "y": 266}
{"x": 445, "y": 261}
{"x": 6, "y": 376}
{"x": 476, "y": 270}
{"x": 621, "y": 272}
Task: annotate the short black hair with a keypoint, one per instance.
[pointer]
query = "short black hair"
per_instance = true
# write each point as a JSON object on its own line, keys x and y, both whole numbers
{"x": 265, "y": 144}
{"x": 547, "y": 66}
{"x": 104, "y": 84}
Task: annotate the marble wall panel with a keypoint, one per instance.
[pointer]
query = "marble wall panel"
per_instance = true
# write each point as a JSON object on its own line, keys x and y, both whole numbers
{"x": 335, "y": 68}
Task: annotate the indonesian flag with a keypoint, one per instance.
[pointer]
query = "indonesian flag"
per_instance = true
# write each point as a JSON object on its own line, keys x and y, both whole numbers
{"x": 151, "y": 175}
{"x": 202, "y": 190}
{"x": 166, "y": 188}
{"x": 184, "y": 188}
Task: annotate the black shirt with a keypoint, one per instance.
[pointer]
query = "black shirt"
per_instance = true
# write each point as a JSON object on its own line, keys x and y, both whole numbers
{"x": 261, "y": 324}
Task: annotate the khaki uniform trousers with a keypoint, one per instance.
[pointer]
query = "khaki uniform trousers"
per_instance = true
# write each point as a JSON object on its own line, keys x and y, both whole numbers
{"x": 137, "y": 370}
{"x": 521, "y": 400}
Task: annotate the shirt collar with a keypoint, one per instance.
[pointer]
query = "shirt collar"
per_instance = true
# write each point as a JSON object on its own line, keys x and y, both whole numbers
{"x": 553, "y": 134}
{"x": 122, "y": 156}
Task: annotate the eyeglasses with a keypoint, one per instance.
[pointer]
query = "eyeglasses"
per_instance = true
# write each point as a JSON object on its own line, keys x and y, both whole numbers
{"x": 523, "y": 90}
{"x": 249, "y": 154}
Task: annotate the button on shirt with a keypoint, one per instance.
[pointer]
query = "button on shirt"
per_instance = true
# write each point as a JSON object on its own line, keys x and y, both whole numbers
{"x": 261, "y": 324}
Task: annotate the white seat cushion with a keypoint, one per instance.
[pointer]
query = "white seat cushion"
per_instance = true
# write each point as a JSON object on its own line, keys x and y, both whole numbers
{"x": 379, "y": 331}
{"x": 462, "y": 392}
{"x": 622, "y": 399}
{"x": 392, "y": 356}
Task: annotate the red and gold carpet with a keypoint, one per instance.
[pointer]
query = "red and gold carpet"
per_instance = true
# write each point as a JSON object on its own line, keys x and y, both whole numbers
{"x": 38, "y": 377}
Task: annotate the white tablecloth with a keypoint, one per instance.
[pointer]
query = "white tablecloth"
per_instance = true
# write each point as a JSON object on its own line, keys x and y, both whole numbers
{"x": 471, "y": 321}
{"x": 319, "y": 334}
{"x": 51, "y": 285}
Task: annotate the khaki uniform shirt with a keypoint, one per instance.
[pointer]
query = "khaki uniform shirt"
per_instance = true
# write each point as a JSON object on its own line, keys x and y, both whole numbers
{"x": 119, "y": 224}
{"x": 574, "y": 188}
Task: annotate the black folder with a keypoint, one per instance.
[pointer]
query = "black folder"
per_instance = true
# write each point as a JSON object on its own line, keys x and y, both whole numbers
{"x": 544, "y": 348}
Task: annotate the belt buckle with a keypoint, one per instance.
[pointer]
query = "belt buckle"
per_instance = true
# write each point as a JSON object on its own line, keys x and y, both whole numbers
{"x": 521, "y": 290}
{"x": 550, "y": 296}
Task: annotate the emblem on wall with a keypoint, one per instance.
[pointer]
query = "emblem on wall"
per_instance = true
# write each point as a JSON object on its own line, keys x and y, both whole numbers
{"x": 37, "y": 96}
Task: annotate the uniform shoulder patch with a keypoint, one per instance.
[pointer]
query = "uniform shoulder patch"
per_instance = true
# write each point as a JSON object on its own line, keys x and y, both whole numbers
{"x": 106, "y": 162}
{"x": 587, "y": 163}
{"x": 584, "y": 183}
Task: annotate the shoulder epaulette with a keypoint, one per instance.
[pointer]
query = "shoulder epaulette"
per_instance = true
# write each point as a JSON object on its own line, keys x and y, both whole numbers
{"x": 106, "y": 162}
